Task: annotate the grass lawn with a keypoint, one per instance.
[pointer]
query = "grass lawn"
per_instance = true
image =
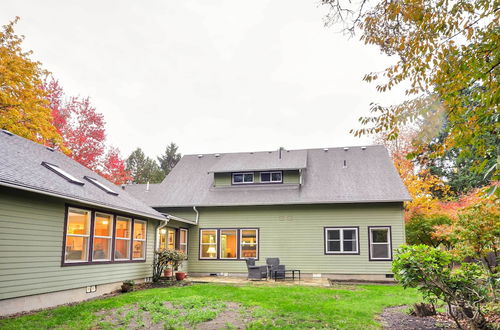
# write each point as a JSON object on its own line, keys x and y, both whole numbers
{"x": 345, "y": 307}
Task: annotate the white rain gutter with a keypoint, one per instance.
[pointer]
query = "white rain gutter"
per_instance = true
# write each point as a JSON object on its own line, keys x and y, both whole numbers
{"x": 197, "y": 214}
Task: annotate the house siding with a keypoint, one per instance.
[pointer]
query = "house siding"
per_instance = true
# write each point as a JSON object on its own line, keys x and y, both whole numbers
{"x": 225, "y": 179}
{"x": 31, "y": 239}
{"x": 295, "y": 234}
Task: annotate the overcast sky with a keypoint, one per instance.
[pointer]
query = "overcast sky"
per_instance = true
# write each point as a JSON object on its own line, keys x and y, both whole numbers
{"x": 210, "y": 75}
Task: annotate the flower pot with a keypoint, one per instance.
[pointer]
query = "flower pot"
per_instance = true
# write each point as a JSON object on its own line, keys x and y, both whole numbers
{"x": 168, "y": 272}
{"x": 127, "y": 288}
{"x": 180, "y": 276}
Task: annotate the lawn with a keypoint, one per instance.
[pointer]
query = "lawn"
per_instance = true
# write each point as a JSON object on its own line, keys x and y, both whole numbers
{"x": 203, "y": 305}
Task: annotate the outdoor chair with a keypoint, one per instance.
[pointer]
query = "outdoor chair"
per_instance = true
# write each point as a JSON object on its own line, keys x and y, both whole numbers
{"x": 273, "y": 264}
{"x": 256, "y": 272}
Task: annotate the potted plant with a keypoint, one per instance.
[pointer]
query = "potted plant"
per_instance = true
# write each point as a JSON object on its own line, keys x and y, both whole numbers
{"x": 177, "y": 258}
{"x": 128, "y": 286}
{"x": 167, "y": 261}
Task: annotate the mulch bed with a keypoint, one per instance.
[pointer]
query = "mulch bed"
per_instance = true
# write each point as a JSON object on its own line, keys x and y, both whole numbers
{"x": 398, "y": 318}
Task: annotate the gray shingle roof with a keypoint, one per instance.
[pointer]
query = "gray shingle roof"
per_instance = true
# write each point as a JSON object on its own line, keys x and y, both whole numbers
{"x": 369, "y": 177}
{"x": 20, "y": 167}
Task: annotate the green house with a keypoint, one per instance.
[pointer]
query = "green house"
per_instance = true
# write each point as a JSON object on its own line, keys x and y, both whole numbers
{"x": 67, "y": 234}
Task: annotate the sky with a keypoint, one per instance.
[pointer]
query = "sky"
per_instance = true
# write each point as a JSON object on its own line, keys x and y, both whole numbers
{"x": 209, "y": 75}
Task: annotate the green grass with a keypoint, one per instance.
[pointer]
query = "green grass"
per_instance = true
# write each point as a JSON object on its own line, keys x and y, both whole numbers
{"x": 269, "y": 307}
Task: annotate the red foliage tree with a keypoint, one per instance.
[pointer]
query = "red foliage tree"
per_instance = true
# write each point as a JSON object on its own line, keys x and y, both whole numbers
{"x": 113, "y": 167}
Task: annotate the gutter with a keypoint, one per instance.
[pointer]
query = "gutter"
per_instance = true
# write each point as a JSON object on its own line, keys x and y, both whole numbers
{"x": 197, "y": 214}
{"x": 173, "y": 217}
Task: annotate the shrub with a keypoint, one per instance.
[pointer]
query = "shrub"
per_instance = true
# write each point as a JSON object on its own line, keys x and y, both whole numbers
{"x": 166, "y": 258}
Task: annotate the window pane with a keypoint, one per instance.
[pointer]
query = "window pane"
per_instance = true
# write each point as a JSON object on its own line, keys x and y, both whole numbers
{"x": 209, "y": 251}
{"x": 334, "y": 246}
{"x": 138, "y": 250}
{"x": 171, "y": 239}
{"x": 163, "y": 239}
{"x": 103, "y": 224}
{"x": 228, "y": 243}
{"x": 380, "y": 235}
{"x": 333, "y": 234}
{"x": 139, "y": 230}
{"x": 122, "y": 249}
{"x": 265, "y": 177}
{"x": 76, "y": 248}
{"x": 208, "y": 236}
{"x": 349, "y": 246}
{"x": 249, "y": 243}
{"x": 78, "y": 222}
{"x": 276, "y": 177}
{"x": 102, "y": 249}
{"x": 248, "y": 177}
{"x": 237, "y": 178}
{"x": 380, "y": 251}
{"x": 122, "y": 227}
{"x": 183, "y": 248}
{"x": 349, "y": 234}
{"x": 183, "y": 236}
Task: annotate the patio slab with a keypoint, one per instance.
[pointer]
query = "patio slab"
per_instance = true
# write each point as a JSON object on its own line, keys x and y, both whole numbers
{"x": 321, "y": 282}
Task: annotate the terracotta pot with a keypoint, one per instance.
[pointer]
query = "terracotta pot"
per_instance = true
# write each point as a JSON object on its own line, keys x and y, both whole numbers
{"x": 168, "y": 272}
{"x": 180, "y": 276}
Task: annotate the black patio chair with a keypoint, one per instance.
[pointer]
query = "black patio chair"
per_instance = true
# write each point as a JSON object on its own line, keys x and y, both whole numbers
{"x": 273, "y": 264}
{"x": 256, "y": 272}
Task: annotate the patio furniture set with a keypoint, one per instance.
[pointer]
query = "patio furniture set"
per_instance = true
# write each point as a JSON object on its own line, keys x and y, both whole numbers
{"x": 271, "y": 270}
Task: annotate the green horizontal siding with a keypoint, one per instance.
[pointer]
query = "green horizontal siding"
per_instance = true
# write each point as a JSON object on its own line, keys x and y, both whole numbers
{"x": 31, "y": 238}
{"x": 295, "y": 234}
{"x": 225, "y": 179}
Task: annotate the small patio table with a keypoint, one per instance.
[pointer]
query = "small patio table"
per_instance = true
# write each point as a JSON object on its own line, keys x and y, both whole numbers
{"x": 288, "y": 274}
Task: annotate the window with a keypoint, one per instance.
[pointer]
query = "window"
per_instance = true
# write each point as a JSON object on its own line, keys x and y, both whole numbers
{"x": 100, "y": 185}
{"x": 380, "y": 243}
{"x": 271, "y": 177}
{"x": 208, "y": 244}
{"x": 103, "y": 234}
{"x": 139, "y": 240}
{"x": 163, "y": 239}
{"x": 56, "y": 169}
{"x": 339, "y": 240}
{"x": 183, "y": 240}
{"x": 228, "y": 243}
{"x": 241, "y": 178}
{"x": 122, "y": 238}
{"x": 248, "y": 243}
{"x": 171, "y": 238}
{"x": 77, "y": 236}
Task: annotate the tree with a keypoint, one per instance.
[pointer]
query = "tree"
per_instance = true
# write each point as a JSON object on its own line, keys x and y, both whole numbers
{"x": 23, "y": 106}
{"x": 421, "y": 229}
{"x": 170, "y": 158}
{"x": 113, "y": 167}
{"x": 143, "y": 169}
{"x": 447, "y": 53}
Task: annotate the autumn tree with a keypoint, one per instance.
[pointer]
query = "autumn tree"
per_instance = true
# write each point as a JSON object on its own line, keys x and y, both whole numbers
{"x": 170, "y": 158}
{"x": 24, "y": 108}
{"x": 113, "y": 167}
{"x": 143, "y": 169}
{"x": 447, "y": 54}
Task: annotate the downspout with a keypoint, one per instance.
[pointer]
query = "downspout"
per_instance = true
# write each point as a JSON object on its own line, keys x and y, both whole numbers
{"x": 163, "y": 225}
{"x": 197, "y": 214}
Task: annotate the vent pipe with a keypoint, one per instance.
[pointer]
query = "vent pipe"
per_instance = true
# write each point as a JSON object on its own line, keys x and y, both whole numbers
{"x": 147, "y": 186}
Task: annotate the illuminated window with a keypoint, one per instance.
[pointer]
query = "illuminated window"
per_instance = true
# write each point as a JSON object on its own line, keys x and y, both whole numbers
{"x": 171, "y": 238}
{"x": 139, "y": 241}
{"x": 103, "y": 233}
{"x": 122, "y": 238}
{"x": 341, "y": 240}
{"x": 183, "y": 240}
{"x": 77, "y": 236}
{"x": 380, "y": 243}
{"x": 248, "y": 243}
{"x": 208, "y": 244}
{"x": 228, "y": 243}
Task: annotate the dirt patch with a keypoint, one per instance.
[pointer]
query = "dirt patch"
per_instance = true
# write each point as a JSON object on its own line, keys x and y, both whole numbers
{"x": 231, "y": 317}
{"x": 398, "y": 318}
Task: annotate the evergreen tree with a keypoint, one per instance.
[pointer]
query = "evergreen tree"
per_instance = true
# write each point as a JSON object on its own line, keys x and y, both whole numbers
{"x": 170, "y": 158}
{"x": 143, "y": 169}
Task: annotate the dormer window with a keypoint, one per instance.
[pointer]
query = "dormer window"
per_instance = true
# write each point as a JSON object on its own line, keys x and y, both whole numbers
{"x": 271, "y": 177}
{"x": 242, "y": 178}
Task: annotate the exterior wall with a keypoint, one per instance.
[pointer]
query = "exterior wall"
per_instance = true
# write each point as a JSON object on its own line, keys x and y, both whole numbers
{"x": 225, "y": 179}
{"x": 295, "y": 234}
{"x": 31, "y": 244}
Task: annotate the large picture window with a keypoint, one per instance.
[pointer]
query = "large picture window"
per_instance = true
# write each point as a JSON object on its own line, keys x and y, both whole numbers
{"x": 77, "y": 235}
{"x": 342, "y": 240}
{"x": 139, "y": 241}
{"x": 208, "y": 244}
{"x": 103, "y": 235}
{"x": 380, "y": 243}
{"x": 248, "y": 243}
{"x": 229, "y": 243}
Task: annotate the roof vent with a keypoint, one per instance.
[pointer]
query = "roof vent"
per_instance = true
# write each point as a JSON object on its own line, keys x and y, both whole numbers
{"x": 345, "y": 149}
{"x": 50, "y": 149}
{"x": 217, "y": 155}
{"x": 325, "y": 149}
{"x": 363, "y": 148}
{"x": 199, "y": 156}
{"x": 7, "y": 132}
{"x": 345, "y": 164}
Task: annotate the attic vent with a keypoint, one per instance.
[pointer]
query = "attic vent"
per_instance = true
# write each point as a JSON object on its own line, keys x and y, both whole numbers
{"x": 345, "y": 149}
{"x": 7, "y": 132}
{"x": 363, "y": 148}
{"x": 345, "y": 164}
{"x": 217, "y": 155}
{"x": 325, "y": 149}
{"x": 199, "y": 156}
{"x": 50, "y": 149}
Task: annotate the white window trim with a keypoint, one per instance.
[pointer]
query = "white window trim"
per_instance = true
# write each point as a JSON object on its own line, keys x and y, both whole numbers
{"x": 78, "y": 235}
{"x": 388, "y": 243}
{"x": 220, "y": 247}
{"x": 271, "y": 177}
{"x": 180, "y": 242}
{"x": 249, "y": 244}
{"x": 109, "y": 238}
{"x": 216, "y": 243}
{"x": 341, "y": 239}
{"x": 129, "y": 239}
{"x": 140, "y": 239}
{"x": 243, "y": 182}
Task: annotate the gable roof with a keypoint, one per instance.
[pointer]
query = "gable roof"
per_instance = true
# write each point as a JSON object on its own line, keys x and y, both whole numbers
{"x": 21, "y": 167}
{"x": 369, "y": 177}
